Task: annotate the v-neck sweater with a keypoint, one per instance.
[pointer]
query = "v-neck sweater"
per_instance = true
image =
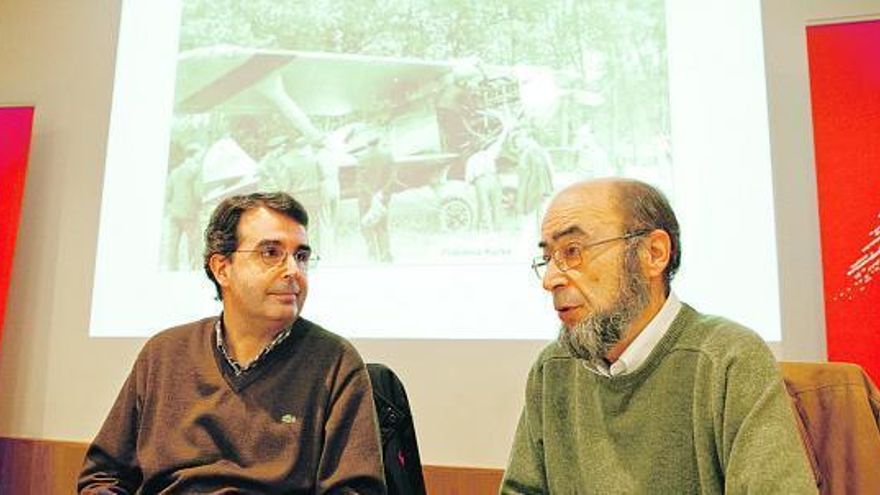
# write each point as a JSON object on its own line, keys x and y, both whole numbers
{"x": 301, "y": 422}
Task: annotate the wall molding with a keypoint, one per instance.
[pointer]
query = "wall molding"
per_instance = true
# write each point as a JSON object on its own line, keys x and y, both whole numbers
{"x": 50, "y": 467}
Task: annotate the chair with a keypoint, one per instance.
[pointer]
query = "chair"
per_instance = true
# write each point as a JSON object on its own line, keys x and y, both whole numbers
{"x": 838, "y": 412}
{"x": 400, "y": 450}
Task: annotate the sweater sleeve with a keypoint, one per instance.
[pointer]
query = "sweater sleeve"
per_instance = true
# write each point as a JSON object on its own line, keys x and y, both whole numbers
{"x": 110, "y": 465}
{"x": 525, "y": 473}
{"x": 761, "y": 450}
{"x": 351, "y": 461}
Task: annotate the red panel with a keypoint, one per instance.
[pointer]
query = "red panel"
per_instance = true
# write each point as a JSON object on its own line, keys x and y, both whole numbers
{"x": 15, "y": 138}
{"x": 845, "y": 88}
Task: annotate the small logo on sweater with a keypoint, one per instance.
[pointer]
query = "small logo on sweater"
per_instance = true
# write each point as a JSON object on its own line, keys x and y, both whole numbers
{"x": 288, "y": 418}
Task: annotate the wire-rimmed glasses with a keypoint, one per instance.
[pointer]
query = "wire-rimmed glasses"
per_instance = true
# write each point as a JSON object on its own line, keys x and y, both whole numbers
{"x": 273, "y": 255}
{"x": 571, "y": 254}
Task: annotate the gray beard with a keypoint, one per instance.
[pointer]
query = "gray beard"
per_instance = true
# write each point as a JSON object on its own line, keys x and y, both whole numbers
{"x": 593, "y": 337}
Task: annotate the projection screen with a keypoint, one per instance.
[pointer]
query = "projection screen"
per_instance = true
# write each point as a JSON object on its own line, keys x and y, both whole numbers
{"x": 425, "y": 138}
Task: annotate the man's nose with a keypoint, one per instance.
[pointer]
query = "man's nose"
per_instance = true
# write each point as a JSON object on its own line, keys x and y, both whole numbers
{"x": 553, "y": 277}
{"x": 292, "y": 267}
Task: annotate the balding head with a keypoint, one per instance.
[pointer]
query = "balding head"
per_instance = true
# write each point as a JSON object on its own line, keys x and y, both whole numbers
{"x": 608, "y": 258}
{"x": 637, "y": 205}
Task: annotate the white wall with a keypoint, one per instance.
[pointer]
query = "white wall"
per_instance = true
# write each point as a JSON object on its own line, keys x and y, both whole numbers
{"x": 57, "y": 383}
{"x": 58, "y": 56}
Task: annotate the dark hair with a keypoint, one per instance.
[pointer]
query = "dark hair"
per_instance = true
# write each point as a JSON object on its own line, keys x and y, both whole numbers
{"x": 645, "y": 207}
{"x": 221, "y": 235}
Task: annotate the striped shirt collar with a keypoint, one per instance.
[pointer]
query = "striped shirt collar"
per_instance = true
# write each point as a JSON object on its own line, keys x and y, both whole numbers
{"x": 237, "y": 368}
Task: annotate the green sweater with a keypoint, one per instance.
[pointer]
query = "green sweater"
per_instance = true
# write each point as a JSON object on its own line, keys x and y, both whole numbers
{"x": 706, "y": 413}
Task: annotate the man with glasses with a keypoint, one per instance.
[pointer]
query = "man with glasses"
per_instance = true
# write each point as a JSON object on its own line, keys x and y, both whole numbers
{"x": 257, "y": 400}
{"x": 642, "y": 393}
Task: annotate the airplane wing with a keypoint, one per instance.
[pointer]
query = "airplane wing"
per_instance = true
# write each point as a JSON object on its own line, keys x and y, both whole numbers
{"x": 322, "y": 84}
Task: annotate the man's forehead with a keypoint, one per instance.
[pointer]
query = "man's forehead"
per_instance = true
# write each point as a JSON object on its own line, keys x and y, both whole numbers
{"x": 265, "y": 224}
{"x": 579, "y": 211}
{"x": 551, "y": 236}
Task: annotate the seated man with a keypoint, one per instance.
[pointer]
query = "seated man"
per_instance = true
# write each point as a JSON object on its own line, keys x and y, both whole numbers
{"x": 257, "y": 400}
{"x": 642, "y": 393}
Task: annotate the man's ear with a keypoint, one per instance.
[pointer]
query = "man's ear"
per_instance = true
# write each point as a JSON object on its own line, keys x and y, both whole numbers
{"x": 219, "y": 265}
{"x": 657, "y": 248}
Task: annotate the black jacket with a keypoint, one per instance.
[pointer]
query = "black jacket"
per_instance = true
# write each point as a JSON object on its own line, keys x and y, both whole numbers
{"x": 403, "y": 467}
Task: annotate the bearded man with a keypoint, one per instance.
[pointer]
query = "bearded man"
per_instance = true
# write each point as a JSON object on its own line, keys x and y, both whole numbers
{"x": 642, "y": 393}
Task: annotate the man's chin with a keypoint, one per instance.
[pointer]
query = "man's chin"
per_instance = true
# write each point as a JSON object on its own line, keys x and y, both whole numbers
{"x": 285, "y": 315}
{"x": 582, "y": 341}
{"x": 566, "y": 331}
{"x": 571, "y": 322}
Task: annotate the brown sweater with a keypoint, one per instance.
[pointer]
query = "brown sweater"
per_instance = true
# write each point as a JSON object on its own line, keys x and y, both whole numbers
{"x": 302, "y": 421}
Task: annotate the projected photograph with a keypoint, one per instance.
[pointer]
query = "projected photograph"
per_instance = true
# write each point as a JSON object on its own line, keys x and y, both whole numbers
{"x": 414, "y": 133}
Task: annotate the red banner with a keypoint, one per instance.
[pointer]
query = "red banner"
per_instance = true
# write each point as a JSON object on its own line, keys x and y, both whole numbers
{"x": 845, "y": 88}
{"x": 15, "y": 138}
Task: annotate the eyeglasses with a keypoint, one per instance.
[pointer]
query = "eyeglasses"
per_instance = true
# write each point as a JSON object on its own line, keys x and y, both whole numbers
{"x": 571, "y": 255}
{"x": 274, "y": 255}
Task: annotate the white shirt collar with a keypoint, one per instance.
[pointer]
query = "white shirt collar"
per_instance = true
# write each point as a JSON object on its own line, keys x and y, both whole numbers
{"x": 635, "y": 355}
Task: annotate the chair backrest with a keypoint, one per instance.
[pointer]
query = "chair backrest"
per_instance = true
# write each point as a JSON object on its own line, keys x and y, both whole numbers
{"x": 838, "y": 410}
{"x": 403, "y": 466}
